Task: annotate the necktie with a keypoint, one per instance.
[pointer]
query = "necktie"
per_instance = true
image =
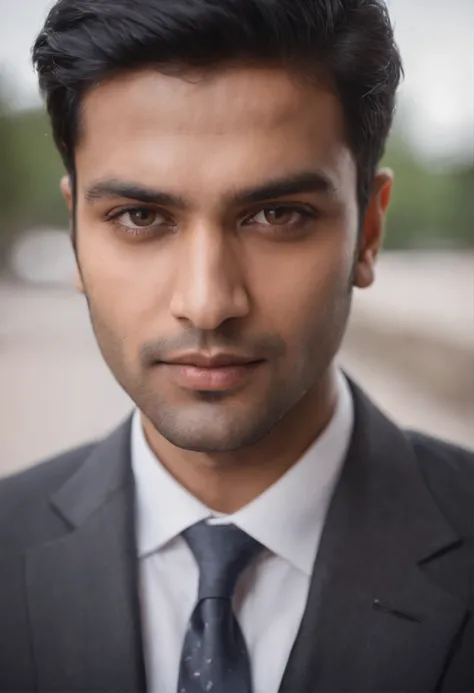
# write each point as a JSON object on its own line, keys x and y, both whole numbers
{"x": 214, "y": 657}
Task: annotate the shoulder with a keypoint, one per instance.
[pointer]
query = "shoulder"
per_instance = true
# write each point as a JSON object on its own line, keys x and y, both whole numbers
{"x": 448, "y": 472}
{"x": 439, "y": 458}
{"x": 42, "y": 478}
{"x": 25, "y": 513}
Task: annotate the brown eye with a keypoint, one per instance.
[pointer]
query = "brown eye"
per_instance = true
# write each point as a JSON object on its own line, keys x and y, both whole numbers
{"x": 141, "y": 218}
{"x": 138, "y": 219}
{"x": 278, "y": 216}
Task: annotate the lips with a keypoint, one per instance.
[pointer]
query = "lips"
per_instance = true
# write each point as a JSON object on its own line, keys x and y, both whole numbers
{"x": 218, "y": 360}
{"x": 218, "y": 372}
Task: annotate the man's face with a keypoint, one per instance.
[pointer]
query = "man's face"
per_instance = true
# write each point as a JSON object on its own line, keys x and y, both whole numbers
{"x": 217, "y": 222}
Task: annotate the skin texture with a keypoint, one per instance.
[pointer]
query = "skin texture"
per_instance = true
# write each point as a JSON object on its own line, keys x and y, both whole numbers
{"x": 212, "y": 272}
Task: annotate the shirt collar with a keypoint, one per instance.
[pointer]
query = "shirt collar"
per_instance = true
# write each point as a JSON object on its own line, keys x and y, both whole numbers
{"x": 164, "y": 507}
{"x": 287, "y": 518}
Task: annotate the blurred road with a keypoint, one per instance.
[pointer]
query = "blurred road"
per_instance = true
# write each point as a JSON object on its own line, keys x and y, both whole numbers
{"x": 56, "y": 391}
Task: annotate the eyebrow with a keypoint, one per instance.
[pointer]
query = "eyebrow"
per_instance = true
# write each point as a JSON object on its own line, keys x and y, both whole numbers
{"x": 304, "y": 182}
{"x": 112, "y": 188}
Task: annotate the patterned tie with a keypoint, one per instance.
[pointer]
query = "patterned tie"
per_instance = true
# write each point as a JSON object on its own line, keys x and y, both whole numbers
{"x": 215, "y": 657}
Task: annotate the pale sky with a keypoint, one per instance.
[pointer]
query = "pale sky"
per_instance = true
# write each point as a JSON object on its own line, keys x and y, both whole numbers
{"x": 436, "y": 38}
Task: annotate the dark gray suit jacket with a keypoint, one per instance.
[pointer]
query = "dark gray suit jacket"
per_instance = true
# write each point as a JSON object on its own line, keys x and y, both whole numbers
{"x": 391, "y": 600}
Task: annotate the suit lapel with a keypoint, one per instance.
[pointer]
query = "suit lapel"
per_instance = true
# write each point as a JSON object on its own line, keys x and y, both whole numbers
{"x": 82, "y": 587}
{"x": 374, "y": 621}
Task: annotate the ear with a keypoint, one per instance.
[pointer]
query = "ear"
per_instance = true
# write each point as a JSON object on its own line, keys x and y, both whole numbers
{"x": 66, "y": 191}
{"x": 78, "y": 283}
{"x": 373, "y": 229}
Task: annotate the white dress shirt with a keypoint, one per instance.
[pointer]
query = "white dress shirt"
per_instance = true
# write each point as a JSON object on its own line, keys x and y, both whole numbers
{"x": 271, "y": 593}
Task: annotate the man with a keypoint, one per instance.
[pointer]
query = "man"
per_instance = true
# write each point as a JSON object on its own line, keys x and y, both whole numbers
{"x": 257, "y": 524}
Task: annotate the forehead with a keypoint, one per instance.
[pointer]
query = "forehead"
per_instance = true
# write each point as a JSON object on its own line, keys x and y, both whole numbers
{"x": 239, "y": 123}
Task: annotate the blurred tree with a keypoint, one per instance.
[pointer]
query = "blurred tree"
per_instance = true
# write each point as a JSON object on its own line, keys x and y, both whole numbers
{"x": 463, "y": 200}
{"x": 29, "y": 176}
{"x": 431, "y": 207}
{"x": 41, "y": 170}
{"x": 10, "y": 183}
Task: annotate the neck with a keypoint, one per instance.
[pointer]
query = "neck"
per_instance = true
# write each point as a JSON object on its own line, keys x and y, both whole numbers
{"x": 226, "y": 482}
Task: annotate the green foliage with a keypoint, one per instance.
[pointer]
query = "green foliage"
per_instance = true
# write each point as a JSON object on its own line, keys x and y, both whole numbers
{"x": 10, "y": 192}
{"x": 430, "y": 208}
{"x": 41, "y": 170}
{"x": 30, "y": 178}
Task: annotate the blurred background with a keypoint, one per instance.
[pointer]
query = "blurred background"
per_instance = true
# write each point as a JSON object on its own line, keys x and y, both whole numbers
{"x": 411, "y": 338}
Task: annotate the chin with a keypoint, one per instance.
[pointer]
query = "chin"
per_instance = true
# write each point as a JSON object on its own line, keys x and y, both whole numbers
{"x": 208, "y": 442}
{"x": 215, "y": 434}
{"x": 215, "y": 423}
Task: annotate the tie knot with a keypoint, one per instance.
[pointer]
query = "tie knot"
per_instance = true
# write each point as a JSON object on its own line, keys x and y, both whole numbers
{"x": 222, "y": 552}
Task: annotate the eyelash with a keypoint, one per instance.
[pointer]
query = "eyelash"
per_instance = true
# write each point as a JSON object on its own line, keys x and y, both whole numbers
{"x": 114, "y": 217}
{"x": 305, "y": 212}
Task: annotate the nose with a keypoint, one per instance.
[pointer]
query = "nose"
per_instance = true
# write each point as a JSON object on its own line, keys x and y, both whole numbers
{"x": 210, "y": 286}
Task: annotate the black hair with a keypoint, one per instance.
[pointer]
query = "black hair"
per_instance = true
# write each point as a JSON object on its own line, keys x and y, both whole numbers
{"x": 350, "y": 41}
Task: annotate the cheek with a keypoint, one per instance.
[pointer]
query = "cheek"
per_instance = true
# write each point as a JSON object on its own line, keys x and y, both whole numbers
{"x": 309, "y": 290}
{"x": 126, "y": 289}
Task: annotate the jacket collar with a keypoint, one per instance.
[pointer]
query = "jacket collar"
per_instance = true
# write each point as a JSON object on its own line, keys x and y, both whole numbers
{"x": 107, "y": 469}
{"x": 374, "y": 621}
{"x": 83, "y": 589}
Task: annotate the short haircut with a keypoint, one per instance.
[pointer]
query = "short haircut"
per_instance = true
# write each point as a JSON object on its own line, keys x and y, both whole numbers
{"x": 351, "y": 42}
